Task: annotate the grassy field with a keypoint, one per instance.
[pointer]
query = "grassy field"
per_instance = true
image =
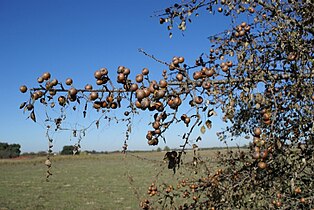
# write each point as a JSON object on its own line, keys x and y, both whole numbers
{"x": 108, "y": 181}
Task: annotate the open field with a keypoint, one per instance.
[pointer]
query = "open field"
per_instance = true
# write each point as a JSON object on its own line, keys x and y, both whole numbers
{"x": 108, "y": 181}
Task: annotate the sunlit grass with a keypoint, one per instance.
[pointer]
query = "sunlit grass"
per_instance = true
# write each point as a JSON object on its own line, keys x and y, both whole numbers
{"x": 108, "y": 181}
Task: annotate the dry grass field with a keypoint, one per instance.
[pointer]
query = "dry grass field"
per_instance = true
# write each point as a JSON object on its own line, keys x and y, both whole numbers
{"x": 107, "y": 181}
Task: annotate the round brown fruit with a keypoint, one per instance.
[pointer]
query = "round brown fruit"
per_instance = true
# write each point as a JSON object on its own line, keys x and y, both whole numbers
{"x": 68, "y": 81}
{"x": 224, "y": 68}
{"x": 121, "y": 78}
{"x": 126, "y": 71}
{"x": 99, "y": 82}
{"x": 179, "y": 77}
{"x": 40, "y": 80}
{"x": 172, "y": 67}
{"x": 243, "y": 24}
{"x": 46, "y": 76}
{"x": 23, "y": 89}
{"x": 114, "y": 105}
{"x": 93, "y": 96}
{"x": 181, "y": 59}
{"x": 209, "y": 72}
{"x": 88, "y": 87}
{"x": 39, "y": 93}
{"x": 256, "y": 155}
{"x": 160, "y": 94}
{"x": 98, "y": 74}
{"x": 145, "y": 71}
{"x": 72, "y": 92}
{"x": 264, "y": 154}
{"x": 120, "y": 69}
{"x": 35, "y": 96}
{"x": 104, "y": 104}
{"x": 247, "y": 28}
{"x": 229, "y": 63}
{"x": 187, "y": 120}
{"x": 54, "y": 82}
{"x": 138, "y": 104}
{"x": 163, "y": 83}
{"x": 262, "y": 165}
{"x": 140, "y": 94}
{"x": 198, "y": 99}
{"x": 257, "y": 131}
{"x": 145, "y": 103}
{"x": 206, "y": 85}
{"x": 197, "y": 75}
{"x": 156, "y": 124}
{"x": 62, "y": 100}
{"x": 175, "y": 60}
{"x": 183, "y": 117}
{"x": 134, "y": 87}
{"x": 146, "y": 92}
{"x": 109, "y": 99}
{"x": 52, "y": 92}
{"x": 139, "y": 78}
{"x": 298, "y": 190}
{"x": 97, "y": 105}
{"x": 266, "y": 116}
{"x": 103, "y": 71}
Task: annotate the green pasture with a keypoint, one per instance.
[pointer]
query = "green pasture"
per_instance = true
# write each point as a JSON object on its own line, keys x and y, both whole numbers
{"x": 107, "y": 181}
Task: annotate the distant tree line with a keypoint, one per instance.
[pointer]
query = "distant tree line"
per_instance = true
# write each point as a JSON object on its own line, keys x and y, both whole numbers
{"x": 9, "y": 150}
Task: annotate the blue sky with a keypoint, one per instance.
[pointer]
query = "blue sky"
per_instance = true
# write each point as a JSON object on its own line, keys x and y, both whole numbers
{"x": 74, "y": 38}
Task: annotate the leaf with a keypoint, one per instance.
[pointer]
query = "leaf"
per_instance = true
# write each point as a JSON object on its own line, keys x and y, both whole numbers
{"x": 22, "y": 105}
{"x": 32, "y": 116}
{"x": 211, "y": 112}
{"x": 199, "y": 139}
{"x": 208, "y": 124}
{"x": 203, "y": 129}
{"x": 97, "y": 124}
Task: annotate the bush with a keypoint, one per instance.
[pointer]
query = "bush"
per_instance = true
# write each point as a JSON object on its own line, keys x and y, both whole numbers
{"x": 9, "y": 150}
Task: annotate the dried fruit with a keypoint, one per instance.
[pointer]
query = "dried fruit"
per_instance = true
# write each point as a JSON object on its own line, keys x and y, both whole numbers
{"x": 23, "y": 89}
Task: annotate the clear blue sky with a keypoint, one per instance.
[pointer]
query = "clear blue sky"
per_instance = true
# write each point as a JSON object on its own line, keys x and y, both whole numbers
{"x": 73, "y": 38}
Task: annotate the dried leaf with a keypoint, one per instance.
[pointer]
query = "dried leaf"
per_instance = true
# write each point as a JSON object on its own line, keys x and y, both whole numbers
{"x": 32, "y": 116}
{"x": 22, "y": 105}
{"x": 211, "y": 112}
{"x": 97, "y": 124}
{"x": 203, "y": 129}
{"x": 199, "y": 139}
{"x": 208, "y": 124}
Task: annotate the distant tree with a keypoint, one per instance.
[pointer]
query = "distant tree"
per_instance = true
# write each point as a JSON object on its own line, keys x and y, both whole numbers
{"x": 9, "y": 150}
{"x": 69, "y": 150}
{"x": 158, "y": 149}
{"x": 167, "y": 149}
